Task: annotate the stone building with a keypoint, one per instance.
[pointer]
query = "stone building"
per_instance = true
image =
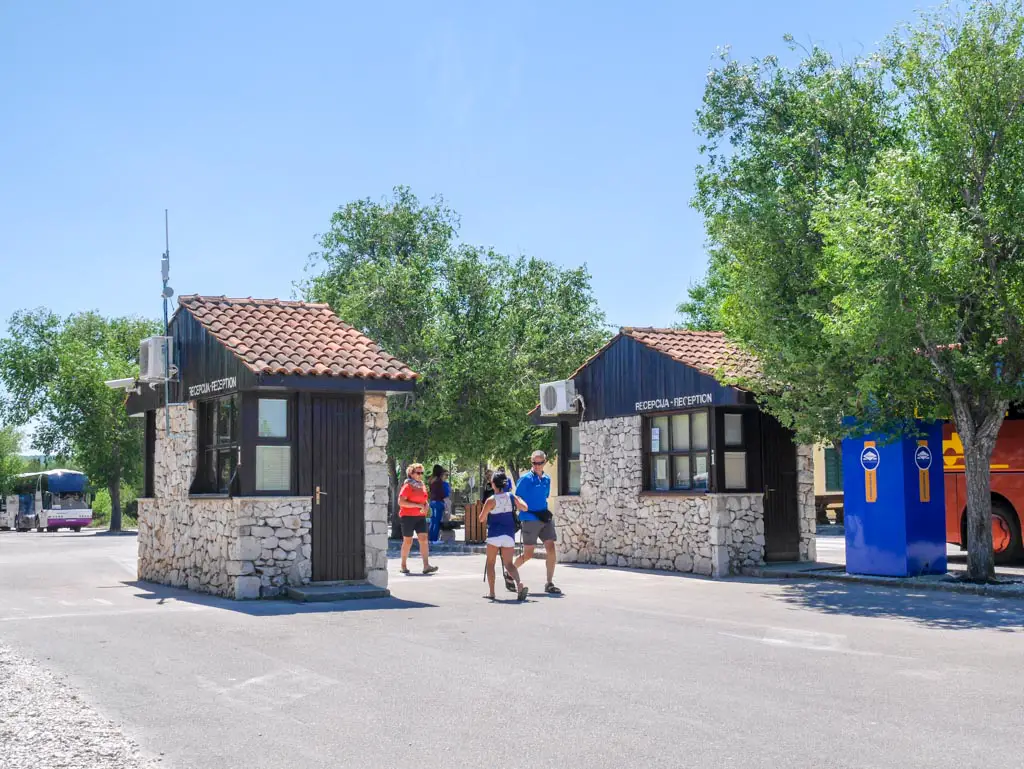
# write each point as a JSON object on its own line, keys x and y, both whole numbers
{"x": 661, "y": 466}
{"x": 273, "y": 474}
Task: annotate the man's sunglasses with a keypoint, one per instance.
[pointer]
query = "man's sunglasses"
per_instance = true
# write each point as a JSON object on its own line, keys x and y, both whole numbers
{"x": 537, "y": 464}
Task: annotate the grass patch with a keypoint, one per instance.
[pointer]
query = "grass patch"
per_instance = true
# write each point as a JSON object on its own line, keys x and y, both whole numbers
{"x": 101, "y": 520}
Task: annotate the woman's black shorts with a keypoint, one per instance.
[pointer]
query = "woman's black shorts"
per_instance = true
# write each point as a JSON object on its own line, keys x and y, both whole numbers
{"x": 413, "y": 525}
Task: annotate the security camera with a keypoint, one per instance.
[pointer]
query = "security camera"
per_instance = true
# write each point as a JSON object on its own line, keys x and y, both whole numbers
{"x": 121, "y": 384}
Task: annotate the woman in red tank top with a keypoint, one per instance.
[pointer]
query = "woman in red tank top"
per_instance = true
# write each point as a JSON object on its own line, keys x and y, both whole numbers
{"x": 412, "y": 510}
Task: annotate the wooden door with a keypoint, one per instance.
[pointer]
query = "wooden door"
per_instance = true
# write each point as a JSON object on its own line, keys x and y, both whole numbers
{"x": 781, "y": 508}
{"x": 337, "y": 472}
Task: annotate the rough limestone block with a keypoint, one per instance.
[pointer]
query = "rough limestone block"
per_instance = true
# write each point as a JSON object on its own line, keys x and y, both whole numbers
{"x": 237, "y": 568}
{"x": 246, "y": 588}
{"x": 245, "y": 549}
{"x": 377, "y": 577}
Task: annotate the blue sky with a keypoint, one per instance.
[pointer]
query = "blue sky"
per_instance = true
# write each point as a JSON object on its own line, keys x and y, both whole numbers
{"x": 561, "y": 130}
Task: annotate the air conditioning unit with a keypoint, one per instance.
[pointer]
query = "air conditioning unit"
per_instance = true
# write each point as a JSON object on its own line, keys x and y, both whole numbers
{"x": 152, "y": 360}
{"x": 558, "y": 397}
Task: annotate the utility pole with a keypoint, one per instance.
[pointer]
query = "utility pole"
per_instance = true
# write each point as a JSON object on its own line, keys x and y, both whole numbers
{"x": 167, "y": 293}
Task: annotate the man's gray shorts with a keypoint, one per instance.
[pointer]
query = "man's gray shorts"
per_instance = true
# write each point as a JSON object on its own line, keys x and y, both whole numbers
{"x": 542, "y": 530}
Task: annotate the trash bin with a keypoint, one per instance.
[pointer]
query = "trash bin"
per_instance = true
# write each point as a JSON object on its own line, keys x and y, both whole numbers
{"x": 476, "y": 532}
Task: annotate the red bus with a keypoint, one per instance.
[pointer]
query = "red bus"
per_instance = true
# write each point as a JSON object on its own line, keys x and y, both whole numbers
{"x": 1007, "y": 487}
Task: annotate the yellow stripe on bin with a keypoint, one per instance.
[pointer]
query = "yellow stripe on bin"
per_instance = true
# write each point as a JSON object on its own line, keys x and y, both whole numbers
{"x": 870, "y": 479}
{"x": 924, "y": 480}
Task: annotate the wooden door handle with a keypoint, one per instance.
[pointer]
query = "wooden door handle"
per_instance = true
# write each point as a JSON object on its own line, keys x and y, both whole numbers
{"x": 318, "y": 493}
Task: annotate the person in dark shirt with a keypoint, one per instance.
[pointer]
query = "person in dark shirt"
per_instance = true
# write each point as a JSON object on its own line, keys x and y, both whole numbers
{"x": 485, "y": 490}
{"x": 436, "y": 502}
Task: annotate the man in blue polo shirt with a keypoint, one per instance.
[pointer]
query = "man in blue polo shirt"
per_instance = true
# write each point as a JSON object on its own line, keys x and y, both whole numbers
{"x": 534, "y": 488}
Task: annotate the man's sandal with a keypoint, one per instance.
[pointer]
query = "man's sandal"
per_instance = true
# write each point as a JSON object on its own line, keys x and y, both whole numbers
{"x": 550, "y": 589}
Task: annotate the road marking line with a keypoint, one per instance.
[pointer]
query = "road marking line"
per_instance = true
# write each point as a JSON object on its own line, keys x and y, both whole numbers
{"x": 72, "y": 615}
{"x": 808, "y": 645}
{"x": 103, "y": 601}
{"x": 411, "y": 580}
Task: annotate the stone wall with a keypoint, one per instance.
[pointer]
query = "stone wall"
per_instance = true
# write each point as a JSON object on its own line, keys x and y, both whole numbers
{"x": 613, "y": 522}
{"x": 805, "y": 497}
{"x": 375, "y": 417}
{"x": 240, "y": 547}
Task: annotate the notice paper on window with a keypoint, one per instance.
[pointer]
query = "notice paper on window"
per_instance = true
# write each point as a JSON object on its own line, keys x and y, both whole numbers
{"x": 273, "y": 468}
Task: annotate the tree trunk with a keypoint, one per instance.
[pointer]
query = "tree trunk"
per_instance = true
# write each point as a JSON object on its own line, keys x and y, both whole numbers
{"x": 978, "y": 432}
{"x": 114, "y": 487}
{"x": 514, "y": 468}
{"x": 838, "y": 446}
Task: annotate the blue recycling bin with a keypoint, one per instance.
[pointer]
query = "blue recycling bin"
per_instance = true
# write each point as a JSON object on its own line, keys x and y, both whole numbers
{"x": 894, "y": 504}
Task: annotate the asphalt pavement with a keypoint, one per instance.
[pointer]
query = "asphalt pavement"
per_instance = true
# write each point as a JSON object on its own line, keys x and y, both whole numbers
{"x": 627, "y": 669}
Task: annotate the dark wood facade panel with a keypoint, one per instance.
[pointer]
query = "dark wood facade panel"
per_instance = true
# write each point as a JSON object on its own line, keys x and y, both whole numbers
{"x": 628, "y": 372}
{"x": 781, "y": 503}
{"x": 337, "y": 471}
{"x": 202, "y": 360}
{"x": 304, "y": 444}
{"x": 149, "y": 455}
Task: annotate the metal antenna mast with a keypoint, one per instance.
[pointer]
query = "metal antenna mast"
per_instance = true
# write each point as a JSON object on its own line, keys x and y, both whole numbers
{"x": 168, "y": 292}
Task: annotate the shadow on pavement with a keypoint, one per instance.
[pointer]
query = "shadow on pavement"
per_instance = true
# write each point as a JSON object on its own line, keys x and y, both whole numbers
{"x": 941, "y": 611}
{"x": 271, "y": 607}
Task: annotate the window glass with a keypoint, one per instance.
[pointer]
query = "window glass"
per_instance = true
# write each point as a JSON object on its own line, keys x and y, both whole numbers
{"x": 220, "y": 467}
{"x": 699, "y": 430}
{"x": 273, "y": 468}
{"x": 733, "y": 429}
{"x": 681, "y": 472}
{"x": 225, "y": 419}
{"x": 574, "y": 476}
{"x": 700, "y": 471}
{"x": 273, "y": 418}
{"x": 659, "y": 434}
{"x": 735, "y": 470}
{"x": 217, "y": 444}
{"x": 659, "y": 474}
{"x": 833, "y": 470}
{"x": 681, "y": 432}
{"x": 574, "y": 441}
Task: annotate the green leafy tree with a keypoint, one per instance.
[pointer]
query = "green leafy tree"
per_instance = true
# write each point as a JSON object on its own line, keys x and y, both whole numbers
{"x": 11, "y": 463}
{"x": 925, "y": 255}
{"x": 551, "y": 323}
{"x": 481, "y": 329}
{"x": 376, "y": 268}
{"x": 53, "y": 371}
{"x": 774, "y": 140}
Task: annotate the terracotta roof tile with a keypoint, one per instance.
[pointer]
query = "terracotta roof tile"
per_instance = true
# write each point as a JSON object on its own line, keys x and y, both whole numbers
{"x": 706, "y": 351}
{"x": 273, "y": 336}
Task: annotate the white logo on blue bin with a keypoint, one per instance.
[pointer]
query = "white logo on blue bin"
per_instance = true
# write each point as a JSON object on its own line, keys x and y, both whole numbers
{"x": 923, "y": 457}
{"x": 869, "y": 458}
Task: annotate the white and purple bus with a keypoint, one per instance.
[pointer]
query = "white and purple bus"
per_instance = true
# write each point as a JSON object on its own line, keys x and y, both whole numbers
{"x": 50, "y": 500}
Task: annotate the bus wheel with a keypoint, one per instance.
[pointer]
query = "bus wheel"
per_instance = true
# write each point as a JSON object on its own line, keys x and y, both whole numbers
{"x": 39, "y": 529}
{"x": 76, "y": 529}
{"x": 1006, "y": 541}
